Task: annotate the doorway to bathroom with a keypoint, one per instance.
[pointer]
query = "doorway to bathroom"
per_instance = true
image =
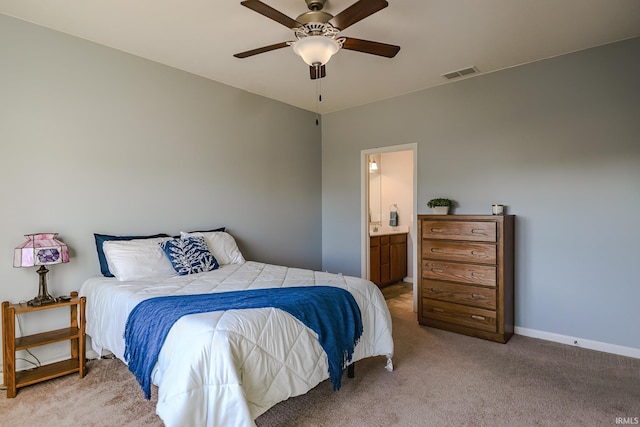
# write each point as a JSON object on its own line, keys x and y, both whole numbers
{"x": 389, "y": 216}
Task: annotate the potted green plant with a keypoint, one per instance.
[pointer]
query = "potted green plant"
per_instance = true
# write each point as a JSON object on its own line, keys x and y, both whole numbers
{"x": 440, "y": 206}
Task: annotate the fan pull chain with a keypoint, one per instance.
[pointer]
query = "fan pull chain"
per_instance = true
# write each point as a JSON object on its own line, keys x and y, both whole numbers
{"x": 318, "y": 94}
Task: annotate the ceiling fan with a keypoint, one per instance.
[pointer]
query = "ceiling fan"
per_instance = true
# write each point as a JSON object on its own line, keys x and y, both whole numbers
{"x": 317, "y": 31}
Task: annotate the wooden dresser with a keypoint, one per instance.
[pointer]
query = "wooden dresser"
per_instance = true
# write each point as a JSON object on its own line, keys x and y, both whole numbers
{"x": 466, "y": 274}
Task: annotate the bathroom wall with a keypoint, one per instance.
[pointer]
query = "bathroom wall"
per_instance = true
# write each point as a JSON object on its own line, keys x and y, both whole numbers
{"x": 396, "y": 172}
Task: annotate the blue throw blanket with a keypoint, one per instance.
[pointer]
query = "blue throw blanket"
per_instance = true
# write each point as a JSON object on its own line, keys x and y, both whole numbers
{"x": 329, "y": 311}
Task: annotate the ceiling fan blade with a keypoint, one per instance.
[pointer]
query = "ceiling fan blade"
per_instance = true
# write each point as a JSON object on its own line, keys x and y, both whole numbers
{"x": 374, "y": 48}
{"x": 261, "y": 50}
{"x": 357, "y": 12}
{"x": 314, "y": 73}
{"x": 269, "y": 12}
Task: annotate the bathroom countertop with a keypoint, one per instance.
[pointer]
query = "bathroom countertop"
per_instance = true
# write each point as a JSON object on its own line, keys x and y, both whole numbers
{"x": 386, "y": 230}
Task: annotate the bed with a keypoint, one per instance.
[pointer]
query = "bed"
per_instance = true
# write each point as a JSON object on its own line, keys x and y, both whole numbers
{"x": 224, "y": 368}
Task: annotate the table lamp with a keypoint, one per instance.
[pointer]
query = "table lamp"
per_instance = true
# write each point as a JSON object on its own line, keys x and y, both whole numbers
{"x": 41, "y": 249}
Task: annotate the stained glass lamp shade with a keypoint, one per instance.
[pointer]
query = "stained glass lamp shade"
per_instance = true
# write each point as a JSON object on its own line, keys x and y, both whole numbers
{"x": 41, "y": 249}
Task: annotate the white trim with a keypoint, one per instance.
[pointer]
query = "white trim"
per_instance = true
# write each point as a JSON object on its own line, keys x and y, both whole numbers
{"x": 364, "y": 214}
{"x": 579, "y": 342}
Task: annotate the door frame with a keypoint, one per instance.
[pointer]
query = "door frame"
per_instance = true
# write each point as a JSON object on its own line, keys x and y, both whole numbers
{"x": 364, "y": 210}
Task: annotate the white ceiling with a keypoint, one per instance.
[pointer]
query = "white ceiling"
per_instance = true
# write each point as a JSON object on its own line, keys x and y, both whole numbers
{"x": 436, "y": 36}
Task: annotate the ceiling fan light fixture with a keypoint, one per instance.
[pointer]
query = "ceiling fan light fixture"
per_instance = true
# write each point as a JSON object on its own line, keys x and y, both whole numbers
{"x": 317, "y": 31}
{"x": 316, "y": 50}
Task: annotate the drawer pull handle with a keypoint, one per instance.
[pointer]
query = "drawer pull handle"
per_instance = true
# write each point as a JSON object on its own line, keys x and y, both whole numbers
{"x": 437, "y": 250}
{"x": 476, "y": 317}
{"x": 437, "y": 270}
{"x": 436, "y": 290}
{"x": 477, "y": 296}
{"x": 476, "y": 274}
{"x": 478, "y": 231}
{"x": 479, "y": 253}
{"x": 439, "y": 310}
{"x": 437, "y": 230}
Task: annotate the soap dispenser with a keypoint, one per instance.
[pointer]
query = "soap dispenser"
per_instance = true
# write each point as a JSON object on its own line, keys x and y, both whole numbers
{"x": 393, "y": 215}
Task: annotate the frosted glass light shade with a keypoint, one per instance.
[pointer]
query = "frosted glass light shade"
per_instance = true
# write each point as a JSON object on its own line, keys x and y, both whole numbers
{"x": 316, "y": 50}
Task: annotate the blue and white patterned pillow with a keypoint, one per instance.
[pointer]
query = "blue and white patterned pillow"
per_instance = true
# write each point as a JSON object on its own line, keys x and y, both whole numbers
{"x": 190, "y": 255}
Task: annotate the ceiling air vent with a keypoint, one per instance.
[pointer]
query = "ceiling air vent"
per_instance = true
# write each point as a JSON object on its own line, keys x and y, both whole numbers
{"x": 460, "y": 73}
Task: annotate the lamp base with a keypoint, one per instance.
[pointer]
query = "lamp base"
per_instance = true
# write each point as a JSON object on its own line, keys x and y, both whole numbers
{"x": 38, "y": 301}
{"x": 43, "y": 297}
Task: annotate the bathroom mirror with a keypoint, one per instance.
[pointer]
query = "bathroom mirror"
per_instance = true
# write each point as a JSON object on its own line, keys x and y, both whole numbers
{"x": 375, "y": 191}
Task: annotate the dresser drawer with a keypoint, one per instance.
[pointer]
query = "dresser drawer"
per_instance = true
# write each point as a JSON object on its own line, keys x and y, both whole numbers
{"x": 459, "y": 251}
{"x": 472, "y": 317}
{"x": 478, "y": 231}
{"x": 466, "y": 273}
{"x": 461, "y": 294}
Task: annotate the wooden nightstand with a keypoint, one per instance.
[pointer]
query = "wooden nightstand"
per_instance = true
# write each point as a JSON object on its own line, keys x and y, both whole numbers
{"x": 10, "y": 344}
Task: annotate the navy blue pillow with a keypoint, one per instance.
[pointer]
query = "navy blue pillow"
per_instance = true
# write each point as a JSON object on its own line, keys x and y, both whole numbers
{"x": 190, "y": 255}
{"x": 209, "y": 231}
{"x": 101, "y": 238}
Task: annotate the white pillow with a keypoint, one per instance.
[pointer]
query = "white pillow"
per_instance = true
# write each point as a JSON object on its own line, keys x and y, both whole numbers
{"x": 221, "y": 244}
{"x": 137, "y": 259}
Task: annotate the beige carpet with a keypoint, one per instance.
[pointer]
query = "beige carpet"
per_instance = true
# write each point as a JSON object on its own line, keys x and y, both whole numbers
{"x": 440, "y": 379}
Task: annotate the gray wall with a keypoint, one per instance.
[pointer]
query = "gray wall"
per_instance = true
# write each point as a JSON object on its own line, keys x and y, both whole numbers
{"x": 96, "y": 140}
{"x": 558, "y": 142}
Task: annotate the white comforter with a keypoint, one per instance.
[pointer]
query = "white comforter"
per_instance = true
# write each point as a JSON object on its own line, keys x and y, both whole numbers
{"x": 226, "y": 368}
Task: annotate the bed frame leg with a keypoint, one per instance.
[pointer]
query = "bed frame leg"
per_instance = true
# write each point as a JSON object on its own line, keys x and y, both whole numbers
{"x": 351, "y": 370}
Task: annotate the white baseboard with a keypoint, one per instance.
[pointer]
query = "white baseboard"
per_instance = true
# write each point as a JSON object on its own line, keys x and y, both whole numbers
{"x": 579, "y": 342}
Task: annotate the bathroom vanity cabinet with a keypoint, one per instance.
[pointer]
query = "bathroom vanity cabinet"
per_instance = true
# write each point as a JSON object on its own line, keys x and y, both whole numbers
{"x": 388, "y": 258}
